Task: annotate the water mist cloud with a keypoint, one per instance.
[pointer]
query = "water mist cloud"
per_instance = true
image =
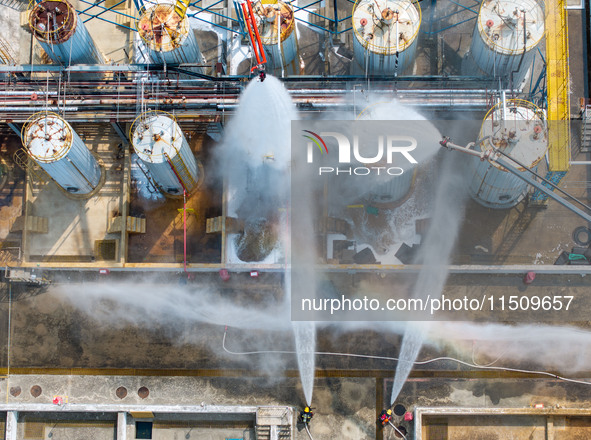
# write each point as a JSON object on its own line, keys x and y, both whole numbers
{"x": 146, "y": 303}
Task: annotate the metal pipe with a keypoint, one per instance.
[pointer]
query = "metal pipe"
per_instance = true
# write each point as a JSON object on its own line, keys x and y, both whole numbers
{"x": 50, "y": 109}
{"x": 491, "y": 158}
{"x": 98, "y": 5}
{"x": 184, "y": 229}
{"x": 20, "y": 93}
{"x": 544, "y": 189}
{"x": 336, "y": 15}
{"x": 279, "y": 42}
{"x": 440, "y": 94}
{"x": 208, "y": 8}
{"x": 217, "y": 25}
{"x": 548, "y": 182}
{"x": 112, "y": 22}
{"x": 524, "y": 50}
{"x": 143, "y": 68}
{"x": 398, "y": 92}
{"x": 467, "y": 149}
{"x": 465, "y": 7}
{"x": 451, "y": 91}
{"x": 211, "y": 12}
{"x": 81, "y": 173}
{"x": 317, "y": 99}
{"x": 112, "y": 8}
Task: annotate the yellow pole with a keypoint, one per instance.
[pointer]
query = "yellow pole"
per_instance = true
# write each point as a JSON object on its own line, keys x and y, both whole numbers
{"x": 557, "y": 80}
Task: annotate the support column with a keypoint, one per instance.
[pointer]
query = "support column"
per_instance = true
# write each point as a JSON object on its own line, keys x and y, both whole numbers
{"x": 14, "y": 127}
{"x": 274, "y": 434}
{"x": 125, "y": 202}
{"x": 550, "y": 428}
{"x": 121, "y": 132}
{"x": 11, "y": 425}
{"x": 121, "y": 426}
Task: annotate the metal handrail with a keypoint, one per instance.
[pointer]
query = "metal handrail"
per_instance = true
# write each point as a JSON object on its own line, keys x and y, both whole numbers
{"x": 585, "y": 119}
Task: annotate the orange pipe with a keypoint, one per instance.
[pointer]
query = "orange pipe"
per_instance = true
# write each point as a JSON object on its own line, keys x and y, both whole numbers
{"x": 253, "y": 32}
{"x": 250, "y": 33}
{"x": 256, "y": 31}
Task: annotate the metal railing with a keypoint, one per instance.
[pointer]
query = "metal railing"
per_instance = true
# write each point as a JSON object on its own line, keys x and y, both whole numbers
{"x": 17, "y": 5}
{"x": 585, "y": 146}
{"x": 23, "y": 161}
{"x": 6, "y": 53}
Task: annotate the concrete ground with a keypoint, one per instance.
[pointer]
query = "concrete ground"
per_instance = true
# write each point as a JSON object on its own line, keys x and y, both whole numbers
{"x": 347, "y": 419}
{"x": 105, "y": 329}
{"x": 506, "y": 426}
{"x": 344, "y": 408}
{"x": 163, "y": 240}
{"x": 75, "y": 224}
{"x": 523, "y": 234}
{"x": 87, "y": 356}
{"x": 12, "y": 191}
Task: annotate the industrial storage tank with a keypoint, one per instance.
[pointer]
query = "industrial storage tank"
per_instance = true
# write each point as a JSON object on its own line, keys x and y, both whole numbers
{"x": 518, "y": 129}
{"x": 62, "y": 33}
{"x": 52, "y": 143}
{"x": 276, "y": 25}
{"x": 168, "y": 37}
{"x": 386, "y": 33}
{"x": 394, "y": 183}
{"x": 505, "y": 35}
{"x": 390, "y": 148}
{"x": 161, "y": 146}
{"x": 392, "y": 189}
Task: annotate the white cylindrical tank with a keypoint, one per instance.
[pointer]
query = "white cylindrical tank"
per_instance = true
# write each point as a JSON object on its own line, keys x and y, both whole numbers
{"x": 62, "y": 33}
{"x": 388, "y": 188}
{"x": 54, "y": 146}
{"x": 168, "y": 38}
{"x": 385, "y": 34}
{"x": 516, "y": 128}
{"x": 160, "y": 144}
{"x": 504, "y": 30}
{"x": 393, "y": 189}
{"x": 280, "y": 46}
{"x": 395, "y": 181}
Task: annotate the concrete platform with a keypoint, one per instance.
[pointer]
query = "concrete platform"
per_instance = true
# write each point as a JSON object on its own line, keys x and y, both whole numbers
{"x": 76, "y": 223}
{"x": 472, "y": 423}
{"x": 11, "y": 201}
{"x": 213, "y": 408}
{"x": 163, "y": 240}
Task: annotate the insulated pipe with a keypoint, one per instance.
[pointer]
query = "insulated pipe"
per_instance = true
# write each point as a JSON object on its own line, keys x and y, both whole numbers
{"x": 19, "y": 93}
{"x": 425, "y": 94}
{"x": 28, "y": 109}
{"x": 301, "y": 96}
{"x": 181, "y": 102}
{"x": 319, "y": 101}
